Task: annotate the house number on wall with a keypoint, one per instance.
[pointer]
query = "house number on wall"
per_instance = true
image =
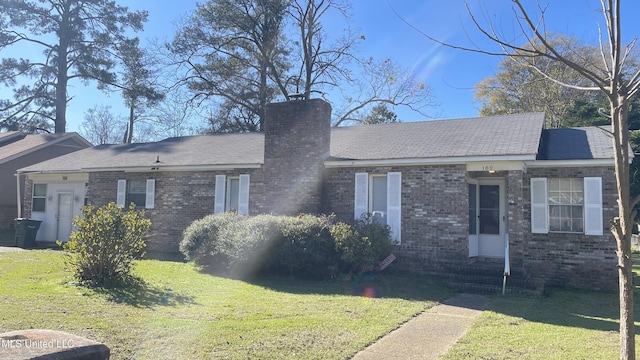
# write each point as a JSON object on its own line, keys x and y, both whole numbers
{"x": 487, "y": 168}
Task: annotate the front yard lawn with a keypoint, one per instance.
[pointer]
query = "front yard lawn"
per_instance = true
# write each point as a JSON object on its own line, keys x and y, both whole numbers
{"x": 567, "y": 324}
{"x": 178, "y": 312}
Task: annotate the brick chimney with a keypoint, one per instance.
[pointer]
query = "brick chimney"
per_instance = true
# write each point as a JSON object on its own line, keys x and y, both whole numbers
{"x": 296, "y": 143}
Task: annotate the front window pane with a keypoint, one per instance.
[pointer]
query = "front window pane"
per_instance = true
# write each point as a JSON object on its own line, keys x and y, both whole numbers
{"x": 40, "y": 190}
{"x": 379, "y": 199}
{"x": 39, "y": 204}
{"x": 566, "y": 198}
{"x": 233, "y": 194}
{"x": 137, "y": 192}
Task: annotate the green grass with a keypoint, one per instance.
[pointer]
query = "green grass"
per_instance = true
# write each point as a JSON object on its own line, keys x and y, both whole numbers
{"x": 566, "y": 324}
{"x": 177, "y": 312}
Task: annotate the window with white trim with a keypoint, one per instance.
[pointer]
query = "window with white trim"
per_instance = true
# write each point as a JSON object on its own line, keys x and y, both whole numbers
{"x": 39, "y": 199}
{"x": 232, "y": 194}
{"x": 566, "y": 197}
{"x": 139, "y": 192}
{"x": 572, "y": 205}
{"x": 380, "y": 195}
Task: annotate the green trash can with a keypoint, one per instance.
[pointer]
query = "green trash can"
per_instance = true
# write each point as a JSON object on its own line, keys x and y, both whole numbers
{"x": 26, "y": 231}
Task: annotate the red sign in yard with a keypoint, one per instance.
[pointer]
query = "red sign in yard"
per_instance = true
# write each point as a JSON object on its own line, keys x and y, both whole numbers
{"x": 384, "y": 263}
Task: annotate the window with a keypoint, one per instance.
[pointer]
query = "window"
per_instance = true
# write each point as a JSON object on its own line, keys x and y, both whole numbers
{"x": 232, "y": 194}
{"x": 378, "y": 199}
{"x": 566, "y": 205}
{"x": 39, "y": 200}
{"x": 380, "y": 195}
{"x": 139, "y": 192}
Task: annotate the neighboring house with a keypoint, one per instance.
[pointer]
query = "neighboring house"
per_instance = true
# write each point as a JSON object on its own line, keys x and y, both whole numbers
{"x": 457, "y": 194}
{"x": 18, "y": 150}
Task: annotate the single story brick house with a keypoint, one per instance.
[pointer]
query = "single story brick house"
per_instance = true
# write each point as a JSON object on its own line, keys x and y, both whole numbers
{"x": 457, "y": 194}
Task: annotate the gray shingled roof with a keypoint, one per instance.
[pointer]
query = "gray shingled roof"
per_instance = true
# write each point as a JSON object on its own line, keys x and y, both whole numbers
{"x": 202, "y": 150}
{"x": 506, "y": 135}
{"x": 487, "y": 136}
{"x": 13, "y": 144}
{"x": 576, "y": 144}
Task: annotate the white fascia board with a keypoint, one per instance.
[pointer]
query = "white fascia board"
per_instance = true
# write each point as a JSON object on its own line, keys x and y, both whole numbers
{"x": 569, "y": 163}
{"x": 427, "y": 161}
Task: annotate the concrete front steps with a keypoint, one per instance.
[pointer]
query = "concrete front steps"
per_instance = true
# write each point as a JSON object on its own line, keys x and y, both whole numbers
{"x": 487, "y": 278}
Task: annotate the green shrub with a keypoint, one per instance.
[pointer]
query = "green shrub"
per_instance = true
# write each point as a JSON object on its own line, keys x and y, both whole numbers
{"x": 306, "y": 249}
{"x": 105, "y": 243}
{"x": 304, "y": 246}
{"x": 362, "y": 245}
{"x": 200, "y": 239}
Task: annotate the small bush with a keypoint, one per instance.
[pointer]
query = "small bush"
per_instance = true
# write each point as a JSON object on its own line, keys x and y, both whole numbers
{"x": 105, "y": 243}
{"x": 200, "y": 239}
{"x": 306, "y": 249}
{"x": 362, "y": 245}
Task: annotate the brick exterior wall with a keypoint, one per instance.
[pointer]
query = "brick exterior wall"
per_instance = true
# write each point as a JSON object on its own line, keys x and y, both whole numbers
{"x": 434, "y": 212}
{"x": 297, "y": 136}
{"x": 435, "y": 224}
{"x": 576, "y": 260}
{"x": 180, "y": 198}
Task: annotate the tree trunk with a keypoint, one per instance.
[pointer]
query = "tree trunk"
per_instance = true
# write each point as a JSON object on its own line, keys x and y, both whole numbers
{"x": 132, "y": 107}
{"x": 621, "y": 225}
{"x": 60, "y": 121}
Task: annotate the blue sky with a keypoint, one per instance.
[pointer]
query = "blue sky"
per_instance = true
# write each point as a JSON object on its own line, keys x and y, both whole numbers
{"x": 451, "y": 74}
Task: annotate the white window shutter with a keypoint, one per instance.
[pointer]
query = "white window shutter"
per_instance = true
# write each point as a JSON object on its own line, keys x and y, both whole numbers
{"x": 221, "y": 183}
{"x": 361, "y": 201}
{"x": 243, "y": 197}
{"x": 122, "y": 193}
{"x": 150, "y": 194}
{"x": 539, "y": 205}
{"x": 593, "y": 206}
{"x": 394, "y": 205}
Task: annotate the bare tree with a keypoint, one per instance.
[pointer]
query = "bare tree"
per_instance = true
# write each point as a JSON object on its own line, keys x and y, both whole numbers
{"x": 101, "y": 126}
{"x": 322, "y": 64}
{"x": 618, "y": 79}
{"x": 382, "y": 83}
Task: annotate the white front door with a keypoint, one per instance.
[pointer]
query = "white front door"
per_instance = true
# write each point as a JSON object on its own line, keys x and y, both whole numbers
{"x": 64, "y": 216}
{"x": 487, "y": 218}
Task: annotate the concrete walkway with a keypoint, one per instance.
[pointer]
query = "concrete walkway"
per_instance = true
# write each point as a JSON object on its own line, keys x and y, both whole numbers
{"x": 9, "y": 249}
{"x": 430, "y": 334}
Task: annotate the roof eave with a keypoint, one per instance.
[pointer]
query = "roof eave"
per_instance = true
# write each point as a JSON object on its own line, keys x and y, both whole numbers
{"x": 427, "y": 161}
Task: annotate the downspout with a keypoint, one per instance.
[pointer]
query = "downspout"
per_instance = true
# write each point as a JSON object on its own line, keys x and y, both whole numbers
{"x": 18, "y": 195}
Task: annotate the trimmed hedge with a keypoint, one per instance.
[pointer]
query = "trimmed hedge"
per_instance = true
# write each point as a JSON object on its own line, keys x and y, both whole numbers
{"x": 304, "y": 246}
